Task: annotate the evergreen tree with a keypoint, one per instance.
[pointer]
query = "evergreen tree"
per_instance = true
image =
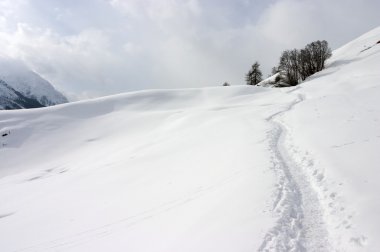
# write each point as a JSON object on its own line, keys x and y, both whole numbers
{"x": 254, "y": 76}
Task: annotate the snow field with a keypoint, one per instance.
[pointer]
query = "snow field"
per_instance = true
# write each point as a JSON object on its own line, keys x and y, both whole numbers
{"x": 213, "y": 169}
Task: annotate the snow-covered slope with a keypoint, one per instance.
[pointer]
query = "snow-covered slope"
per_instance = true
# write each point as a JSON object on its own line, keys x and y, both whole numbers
{"x": 337, "y": 128}
{"x": 23, "y": 88}
{"x": 12, "y": 99}
{"x": 180, "y": 170}
{"x": 270, "y": 81}
{"x": 7, "y": 95}
{"x": 215, "y": 169}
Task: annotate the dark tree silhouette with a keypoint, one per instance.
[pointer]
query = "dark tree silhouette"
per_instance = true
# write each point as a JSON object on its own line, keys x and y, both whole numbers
{"x": 289, "y": 66}
{"x": 254, "y": 76}
{"x": 296, "y": 65}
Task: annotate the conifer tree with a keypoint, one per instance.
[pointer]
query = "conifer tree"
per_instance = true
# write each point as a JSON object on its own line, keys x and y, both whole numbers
{"x": 254, "y": 76}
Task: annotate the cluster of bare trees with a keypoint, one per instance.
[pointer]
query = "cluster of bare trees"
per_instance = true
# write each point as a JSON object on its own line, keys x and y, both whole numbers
{"x": 296, "y": 65}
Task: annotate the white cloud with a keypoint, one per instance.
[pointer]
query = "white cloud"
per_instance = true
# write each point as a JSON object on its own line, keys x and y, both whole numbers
{"x": 77, "y": 59}
{"x": 131, "y": 48}
{"x": 157, "y": 10}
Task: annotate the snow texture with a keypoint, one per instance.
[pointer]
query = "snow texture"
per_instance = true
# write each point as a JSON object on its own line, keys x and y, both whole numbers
{"x": 239, "y": 168}
{"x": 270, "y": 81}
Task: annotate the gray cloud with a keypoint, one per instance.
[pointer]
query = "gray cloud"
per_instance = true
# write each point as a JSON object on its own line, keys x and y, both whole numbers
{"x": 98, "y": 47}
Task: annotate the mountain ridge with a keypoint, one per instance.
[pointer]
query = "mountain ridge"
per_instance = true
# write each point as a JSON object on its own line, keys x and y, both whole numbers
{"x": 22, "y": 88}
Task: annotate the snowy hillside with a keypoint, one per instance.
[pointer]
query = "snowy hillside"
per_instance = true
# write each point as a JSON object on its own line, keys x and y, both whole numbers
{"x": 216, "y": 169}
{"x": 22, "y": 88}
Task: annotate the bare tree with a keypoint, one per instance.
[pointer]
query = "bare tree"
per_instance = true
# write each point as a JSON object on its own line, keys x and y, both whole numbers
{"x": 297, "y": 65}
{"x": 289, "y": 66}
{"x": 305, "y": 64}
{"x": 318, "y": 52}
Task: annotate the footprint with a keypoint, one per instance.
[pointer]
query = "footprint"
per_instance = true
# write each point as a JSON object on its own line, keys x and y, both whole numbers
{"x": 5, "y": 215}
{"x": 35, "y": 178}
{"x": 320, "y": 177}
{"x": 360, "y": 241}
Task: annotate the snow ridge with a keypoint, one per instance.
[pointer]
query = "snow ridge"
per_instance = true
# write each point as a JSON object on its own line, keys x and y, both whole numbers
{"x": 300, "y": 226}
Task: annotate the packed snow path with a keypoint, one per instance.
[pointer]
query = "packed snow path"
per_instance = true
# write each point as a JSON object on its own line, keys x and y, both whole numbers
{"x": 300, "y": 226}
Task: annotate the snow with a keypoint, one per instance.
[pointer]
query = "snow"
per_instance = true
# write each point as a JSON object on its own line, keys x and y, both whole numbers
{"x": 6, "y": 92}
{"x": 268, "y": 82}
{"x": 171, "y": 167}
{"x": 239, "y": 168}
{"x": 339, "y": 125}
{"x": 28, "y": 83}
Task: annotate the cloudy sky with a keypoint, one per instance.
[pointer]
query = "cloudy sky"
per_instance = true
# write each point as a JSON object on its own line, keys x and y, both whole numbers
{"x": 89, "y": 48}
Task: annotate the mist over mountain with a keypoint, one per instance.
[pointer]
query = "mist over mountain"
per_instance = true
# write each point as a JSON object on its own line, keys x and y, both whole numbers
{"x": 20, "y": 87}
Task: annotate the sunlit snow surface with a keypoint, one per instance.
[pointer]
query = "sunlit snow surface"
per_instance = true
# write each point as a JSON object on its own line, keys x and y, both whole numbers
{"x": 216, "y": 169}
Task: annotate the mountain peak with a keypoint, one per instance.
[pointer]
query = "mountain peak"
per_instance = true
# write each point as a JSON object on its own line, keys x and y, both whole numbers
{"x": 20, "y": 87}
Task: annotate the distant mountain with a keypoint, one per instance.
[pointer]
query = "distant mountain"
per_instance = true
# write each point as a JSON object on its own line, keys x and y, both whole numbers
{"x": 22, "y": 88}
